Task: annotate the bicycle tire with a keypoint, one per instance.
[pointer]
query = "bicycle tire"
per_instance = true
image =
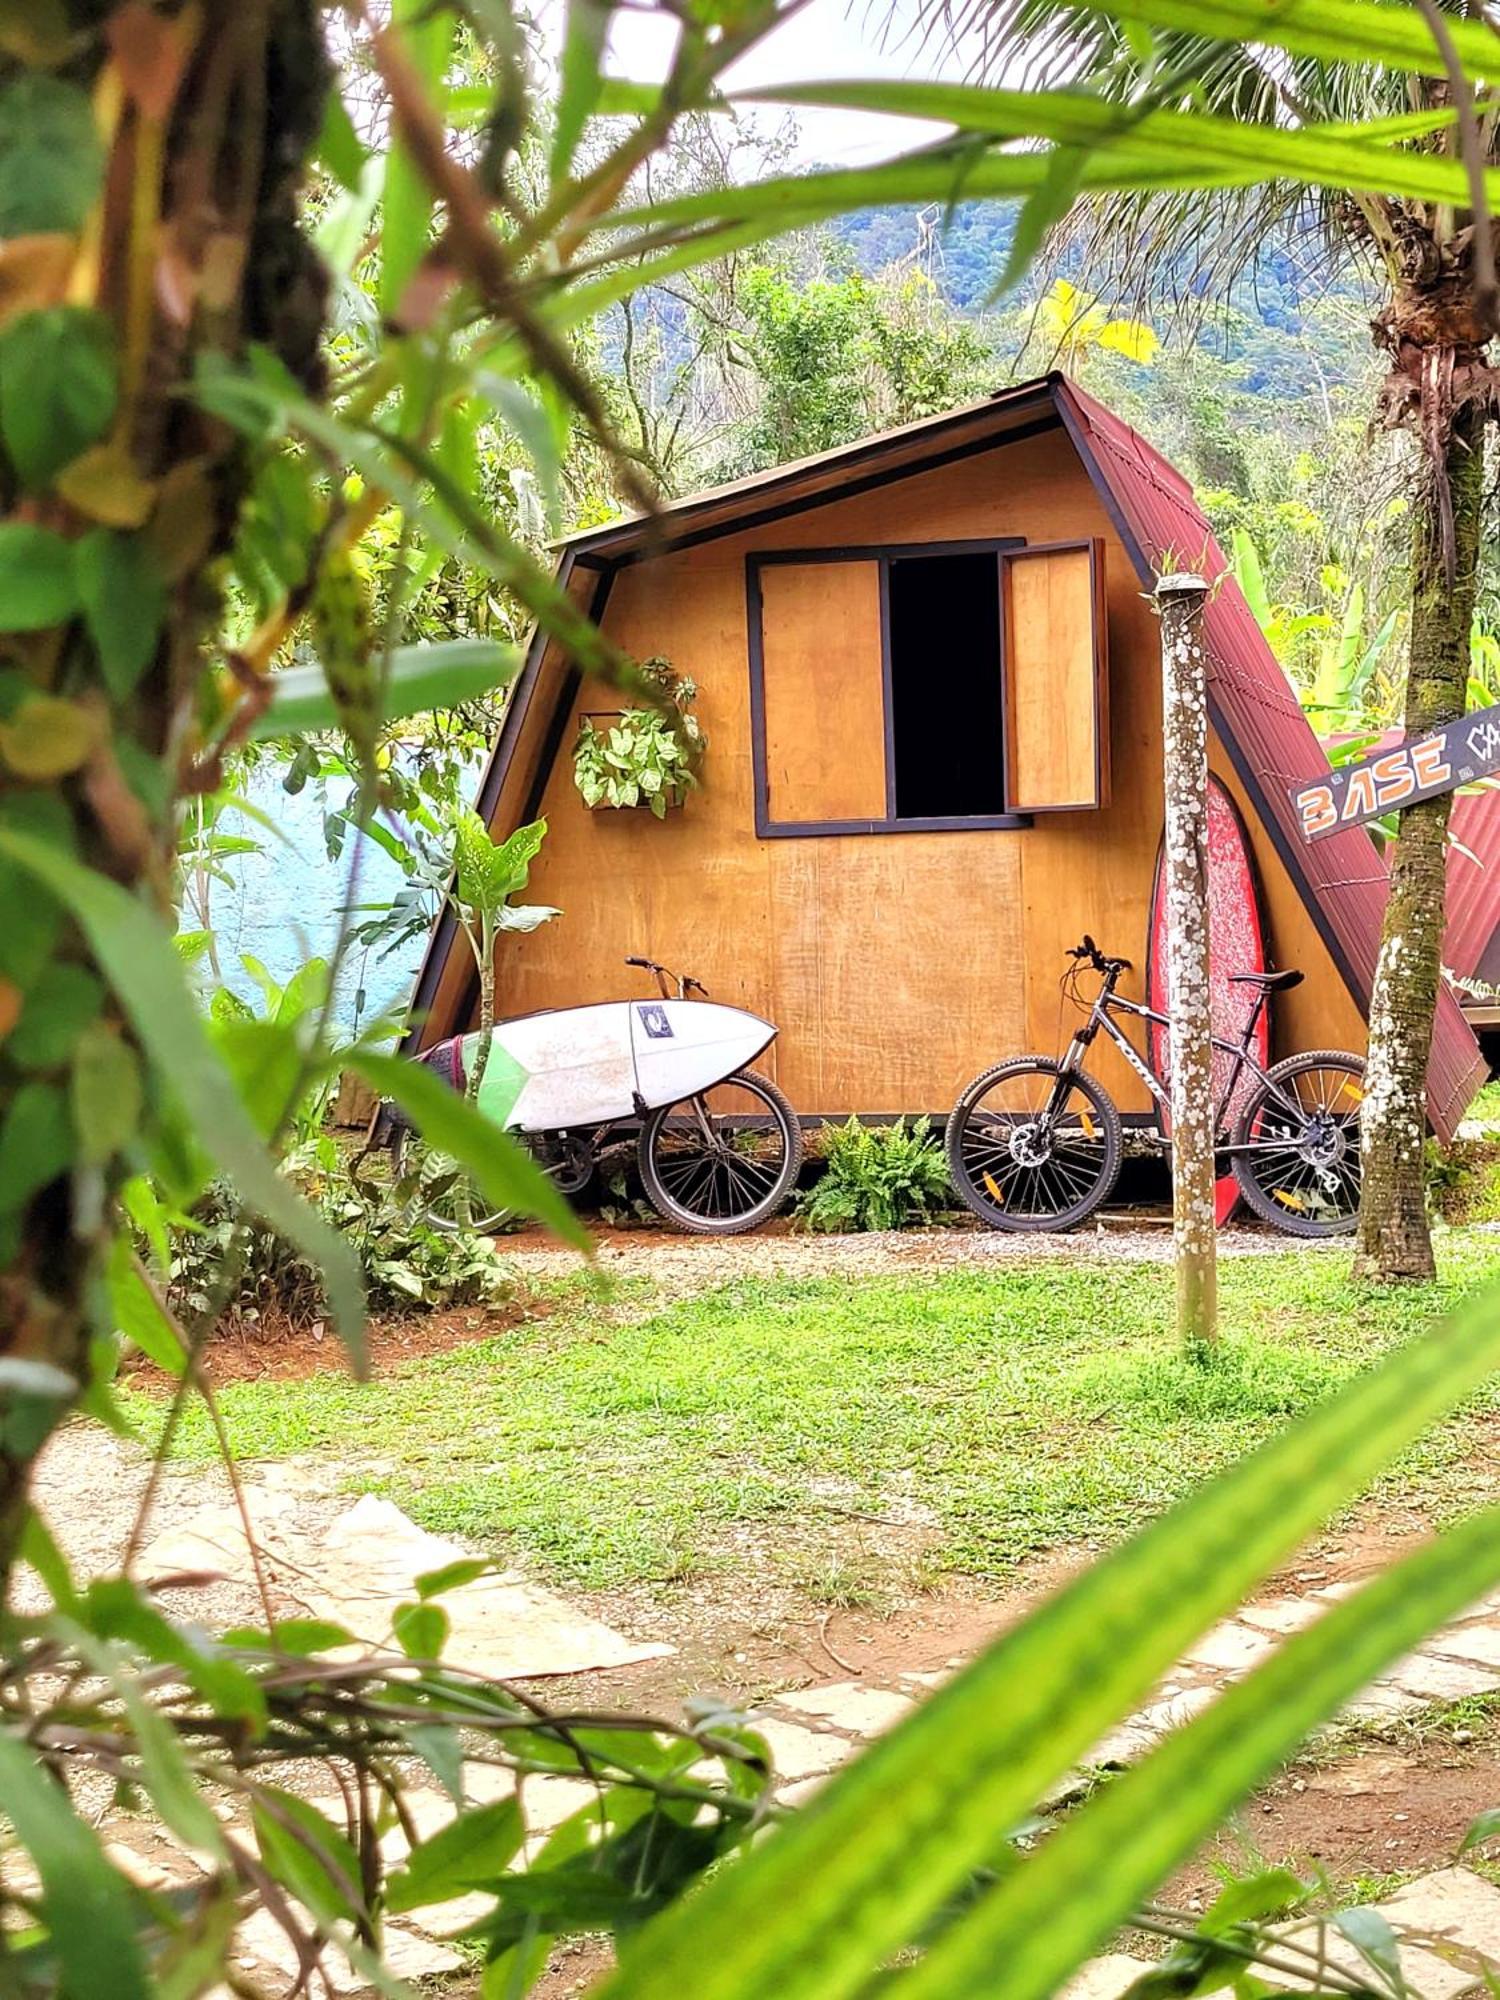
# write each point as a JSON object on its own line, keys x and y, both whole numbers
{"x": 1282, "y": 1213}
{"x": 969, "y": 1176}
{"x": 651, "y": 1153}
{"x": 483, "y": 1222}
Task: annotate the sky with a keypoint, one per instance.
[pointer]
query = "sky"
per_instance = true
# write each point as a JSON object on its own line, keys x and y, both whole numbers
{"x": 825, "y": 39}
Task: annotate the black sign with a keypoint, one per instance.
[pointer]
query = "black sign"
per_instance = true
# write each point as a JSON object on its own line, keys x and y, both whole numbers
{"x": 1454, "y": 755}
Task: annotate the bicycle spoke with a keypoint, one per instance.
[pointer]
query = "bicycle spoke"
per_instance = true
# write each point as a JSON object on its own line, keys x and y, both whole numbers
{"x": 1305, "y": 1162}
{"x": 719, "y": 1156}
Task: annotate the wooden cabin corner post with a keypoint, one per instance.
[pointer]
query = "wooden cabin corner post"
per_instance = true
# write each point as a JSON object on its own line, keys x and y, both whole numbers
{"x": 1180, "y": 600}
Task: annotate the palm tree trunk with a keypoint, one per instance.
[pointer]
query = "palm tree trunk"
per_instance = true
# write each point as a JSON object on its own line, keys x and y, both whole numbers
{"x": 1394, "y": 1241}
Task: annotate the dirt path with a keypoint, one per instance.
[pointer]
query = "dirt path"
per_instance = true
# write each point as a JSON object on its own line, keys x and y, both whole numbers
{"x": 1389, "y": 1800}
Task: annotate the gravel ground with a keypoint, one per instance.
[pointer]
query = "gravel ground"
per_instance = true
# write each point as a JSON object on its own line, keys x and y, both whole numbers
{"x": 681, "y": 1265}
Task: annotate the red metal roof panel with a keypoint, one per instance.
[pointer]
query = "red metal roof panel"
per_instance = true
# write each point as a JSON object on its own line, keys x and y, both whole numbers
{"x": 1262, "y": 725}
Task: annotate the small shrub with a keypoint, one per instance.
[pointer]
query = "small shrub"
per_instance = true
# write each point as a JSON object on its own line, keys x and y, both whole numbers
{"x": 408, "y": 1266}
{"x": 878, "y": 1177}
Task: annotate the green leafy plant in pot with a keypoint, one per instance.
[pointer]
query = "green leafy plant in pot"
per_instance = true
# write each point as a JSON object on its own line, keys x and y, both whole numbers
{"x": 642, "y": 756}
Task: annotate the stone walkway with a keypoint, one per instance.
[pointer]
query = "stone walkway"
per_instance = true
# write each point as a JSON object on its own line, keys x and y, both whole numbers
{"x": 1448, "y": 1922}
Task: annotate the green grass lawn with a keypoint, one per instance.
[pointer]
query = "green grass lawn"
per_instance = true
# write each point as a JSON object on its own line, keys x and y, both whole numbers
{"x": 1014, "y": 1408}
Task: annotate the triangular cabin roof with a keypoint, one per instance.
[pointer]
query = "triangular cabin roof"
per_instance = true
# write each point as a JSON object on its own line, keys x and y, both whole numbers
{"x": 1254, "y": 711}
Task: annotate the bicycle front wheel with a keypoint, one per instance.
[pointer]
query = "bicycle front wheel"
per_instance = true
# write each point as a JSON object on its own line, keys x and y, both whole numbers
{"x": 1028, "y": 1154}
{"x": 440, "y": 1189}
{"x": 1297, "y": 1144}
{"x": 720, "y": 1163}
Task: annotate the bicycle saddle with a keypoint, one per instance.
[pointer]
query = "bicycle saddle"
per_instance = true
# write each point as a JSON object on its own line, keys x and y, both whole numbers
{"x": 1270, "y": 982}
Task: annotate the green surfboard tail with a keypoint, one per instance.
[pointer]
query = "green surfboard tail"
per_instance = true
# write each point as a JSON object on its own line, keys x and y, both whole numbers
{"x": 503, "y": 1081}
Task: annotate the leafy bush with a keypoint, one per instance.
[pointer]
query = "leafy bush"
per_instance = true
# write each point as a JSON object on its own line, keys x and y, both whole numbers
{"x": 646, "y": 756}
{"x": 878, "y": 1177}
{"x": 407, "y": 1265}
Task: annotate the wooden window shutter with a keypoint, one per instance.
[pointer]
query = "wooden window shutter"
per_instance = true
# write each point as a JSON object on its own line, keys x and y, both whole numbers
{"x": 1056, "y": 684}
{"x": 822, "y": 690}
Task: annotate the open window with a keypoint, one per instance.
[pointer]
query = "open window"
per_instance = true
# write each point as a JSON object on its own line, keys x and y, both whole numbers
{"x": 947, "y": 711}
{"x": 926, "y": 686}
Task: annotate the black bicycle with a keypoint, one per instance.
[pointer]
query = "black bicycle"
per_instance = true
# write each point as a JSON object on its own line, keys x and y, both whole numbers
{"x": 717, "y": 1163}
{"x": 1036, "y": 1144}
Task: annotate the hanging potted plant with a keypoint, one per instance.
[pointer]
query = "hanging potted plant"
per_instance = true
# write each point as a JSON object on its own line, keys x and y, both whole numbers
{"x": 642, "y": 756}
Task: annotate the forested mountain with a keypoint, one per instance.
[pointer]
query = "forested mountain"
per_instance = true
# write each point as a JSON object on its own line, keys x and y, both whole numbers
{"x": 1277, "y": 332}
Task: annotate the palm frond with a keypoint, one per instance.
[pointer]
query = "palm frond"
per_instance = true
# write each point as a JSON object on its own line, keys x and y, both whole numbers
{"x": 1179, "y": 252}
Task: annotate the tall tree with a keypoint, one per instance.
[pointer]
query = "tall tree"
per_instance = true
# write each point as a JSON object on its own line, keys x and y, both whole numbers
{"x": 1436, "y": 264}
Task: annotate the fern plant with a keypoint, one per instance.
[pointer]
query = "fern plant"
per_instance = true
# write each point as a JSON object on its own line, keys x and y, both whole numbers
{"x": 878, "y": 1177}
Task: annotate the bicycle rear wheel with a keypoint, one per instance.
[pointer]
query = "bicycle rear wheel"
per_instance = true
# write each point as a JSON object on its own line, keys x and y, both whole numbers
{"x": 1297, "y": 1140}
{"x": 1020, "y": 1161}
{"x": 724, "y": 1161}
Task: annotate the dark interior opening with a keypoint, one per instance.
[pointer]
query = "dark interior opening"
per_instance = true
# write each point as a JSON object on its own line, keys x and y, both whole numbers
{"x": 946, "y": 712}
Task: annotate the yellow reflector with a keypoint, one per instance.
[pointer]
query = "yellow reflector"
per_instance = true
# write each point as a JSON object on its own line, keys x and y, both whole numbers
{"x": 994, "y": 1187}
{"x": 1354, "y": 1091}
{"x": 1086, "y": 1120}
{"x": 1290, "y": 1200}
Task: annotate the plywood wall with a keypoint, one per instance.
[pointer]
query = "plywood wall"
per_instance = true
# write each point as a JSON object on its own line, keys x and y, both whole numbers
{"x": 896, "y": 965}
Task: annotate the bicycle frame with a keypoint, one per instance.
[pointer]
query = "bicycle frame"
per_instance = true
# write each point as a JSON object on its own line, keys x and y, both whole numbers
{"x": 1101, "y": 1017}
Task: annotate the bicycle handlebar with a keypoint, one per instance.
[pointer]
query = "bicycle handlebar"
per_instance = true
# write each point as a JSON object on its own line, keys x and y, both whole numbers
{"x": 685, "y": 982}
{"x": 1097, "y": 959}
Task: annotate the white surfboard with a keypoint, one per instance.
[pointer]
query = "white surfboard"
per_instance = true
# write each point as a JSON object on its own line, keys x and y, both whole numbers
{"x": 580, "y": 1066}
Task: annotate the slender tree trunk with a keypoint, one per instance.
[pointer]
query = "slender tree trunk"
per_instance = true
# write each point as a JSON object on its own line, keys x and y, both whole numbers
{"x": 1394, "y": 1241}
{"x": 187, "y": 243}
{"x": 1190, "y": 1000}
{"x": 486, "y": 1012}
{"x": 485, "y": 957}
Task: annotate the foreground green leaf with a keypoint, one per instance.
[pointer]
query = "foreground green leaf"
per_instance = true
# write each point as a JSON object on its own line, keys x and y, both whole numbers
{"x": 467, "y": 1854}
{"x": 441, "y": 675}
{"x": 427, "y": 35}
{"x": 139, "y": 1313}
{"x": 37, "y": 583}
{"x": 1345, "y": 156}
{"x": 884, "y": 1848}
{"x": 134, "y": 949}
{"x": 51, "y": 159}
{"x": 85, "y": 1902}
{"x": 308, "y": 1854}
{"x": 503, "y": 1171}
{"x": 57, "y": 388}
{"x": 1337, "y": 31}
{"x": 1082, "y": 1884}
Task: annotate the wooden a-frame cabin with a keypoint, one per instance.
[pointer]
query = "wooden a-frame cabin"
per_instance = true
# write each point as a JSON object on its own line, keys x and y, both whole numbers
{"x": 929, "y": 677}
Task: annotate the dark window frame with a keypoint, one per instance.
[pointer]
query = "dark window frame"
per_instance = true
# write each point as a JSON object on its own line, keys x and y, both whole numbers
{"x": 883, "y": 554}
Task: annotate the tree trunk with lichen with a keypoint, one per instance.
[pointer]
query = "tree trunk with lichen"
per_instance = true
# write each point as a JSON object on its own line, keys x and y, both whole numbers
{"x": 1394, "y": 1241}
{"x": 1190, "y": 1002}
{"x": 149, "y": 218}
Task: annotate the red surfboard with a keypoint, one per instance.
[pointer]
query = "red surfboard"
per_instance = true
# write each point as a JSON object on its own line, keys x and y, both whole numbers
{"x": 1237, "y": 943}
